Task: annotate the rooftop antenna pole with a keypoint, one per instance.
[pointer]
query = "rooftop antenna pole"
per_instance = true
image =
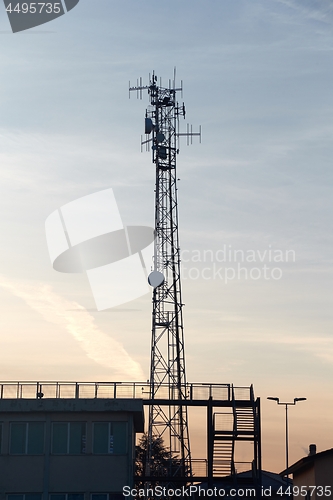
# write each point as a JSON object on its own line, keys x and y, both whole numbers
{"x": 167, "y": 344}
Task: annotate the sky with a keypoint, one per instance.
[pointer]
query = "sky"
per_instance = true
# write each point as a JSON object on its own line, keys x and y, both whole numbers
{"x": 257, "y": 76}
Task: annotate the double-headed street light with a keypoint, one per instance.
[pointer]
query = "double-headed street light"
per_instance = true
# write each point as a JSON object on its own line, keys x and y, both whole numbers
{"x": 287, "y": 439}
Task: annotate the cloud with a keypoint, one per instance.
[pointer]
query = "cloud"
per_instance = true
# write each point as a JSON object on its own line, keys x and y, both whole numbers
{"x": 320, "y": 10}
{"x": 321, "y": 347}
{"x": 97, "y": 345}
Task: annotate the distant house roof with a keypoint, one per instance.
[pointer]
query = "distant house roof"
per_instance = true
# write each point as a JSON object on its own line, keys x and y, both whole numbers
{"x": 306, "y": 462}
{"x": 272, "y": 479}
{"x": 268, "y": 479}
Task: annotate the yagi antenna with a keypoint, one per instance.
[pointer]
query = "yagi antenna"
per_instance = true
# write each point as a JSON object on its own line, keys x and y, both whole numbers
{"x": 139, "y": 88}
{"x": 189, "y": 134}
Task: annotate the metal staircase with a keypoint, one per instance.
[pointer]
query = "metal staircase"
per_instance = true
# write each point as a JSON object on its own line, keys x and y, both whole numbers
{"x": 238, "y": 421}
{"x": 244, "y": 421}
{"x": 223, "y": 457}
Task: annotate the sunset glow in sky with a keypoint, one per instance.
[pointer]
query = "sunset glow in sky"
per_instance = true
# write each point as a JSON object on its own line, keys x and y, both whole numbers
{"x": 255, "y": 198}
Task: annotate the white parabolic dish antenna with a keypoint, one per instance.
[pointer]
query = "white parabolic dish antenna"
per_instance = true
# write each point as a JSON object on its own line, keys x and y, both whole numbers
{"x": 155, "y": 279}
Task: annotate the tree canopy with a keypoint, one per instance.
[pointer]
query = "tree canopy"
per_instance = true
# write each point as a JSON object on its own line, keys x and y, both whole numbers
{"x": 163, "y": 464}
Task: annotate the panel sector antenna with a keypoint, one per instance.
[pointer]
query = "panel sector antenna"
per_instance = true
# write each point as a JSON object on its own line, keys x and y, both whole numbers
{"x": 166, "y": 421}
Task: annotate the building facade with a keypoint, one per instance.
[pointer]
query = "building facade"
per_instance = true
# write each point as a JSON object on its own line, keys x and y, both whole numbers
{"x": 313, "y": 475}
{"x": 76, "y": 440}
{"x": 67, "y": 449}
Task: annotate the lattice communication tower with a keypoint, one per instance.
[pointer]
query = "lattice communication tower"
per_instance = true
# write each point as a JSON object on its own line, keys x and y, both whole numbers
{"x": 167, "y": 369}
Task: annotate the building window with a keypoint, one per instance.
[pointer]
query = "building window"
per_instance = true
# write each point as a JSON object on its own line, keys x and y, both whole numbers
{"x": 24, "y": 496}
{"x": 110, "y": 438}
{"x": 27, "y": 438}
{"x": 67, "y": 496}
{"x": 68, "y": 438}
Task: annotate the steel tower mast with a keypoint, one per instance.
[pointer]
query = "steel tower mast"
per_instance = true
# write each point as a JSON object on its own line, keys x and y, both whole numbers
{"x": 167, "y": 368}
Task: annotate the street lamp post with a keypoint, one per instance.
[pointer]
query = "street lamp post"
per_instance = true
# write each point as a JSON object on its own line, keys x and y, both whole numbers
{"x": 287, "y": 438}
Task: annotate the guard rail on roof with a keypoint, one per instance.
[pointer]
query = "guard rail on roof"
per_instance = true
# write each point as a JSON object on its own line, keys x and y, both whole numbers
{"x": 87, "y": 390}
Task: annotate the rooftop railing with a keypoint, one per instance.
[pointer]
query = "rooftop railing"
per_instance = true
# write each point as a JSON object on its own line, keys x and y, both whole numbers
{"x": 120, "y": 390}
